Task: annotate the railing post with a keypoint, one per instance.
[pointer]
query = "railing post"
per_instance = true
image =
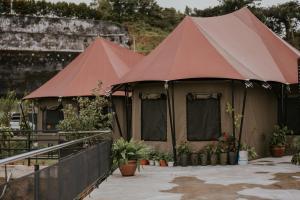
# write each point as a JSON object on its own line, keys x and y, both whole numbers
{"x": 36, "y": 181}
{"x": 28, "y": 145}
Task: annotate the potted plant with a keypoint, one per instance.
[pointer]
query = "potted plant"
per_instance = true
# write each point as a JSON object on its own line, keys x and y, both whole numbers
{"x": 246, "y": 153}
{"x": 162, "y": 160}
{"x": 170, "y": 160}
{"x": 183, "y": 152}
{"x": 213, "y": 154}
{"x": 223, "y": 149}
{"x": 278, "y": 140}
{"x": 145, "y": 158}
{"x": 296, "y": 157}
{"x": 194, "y": 158}
{"x": 127, "y": 154}
{"x": 152, "y": 156}
{"x": 156, "y": 159}
{"x": 232, "y": 150}
{"x": 203, "y": 155}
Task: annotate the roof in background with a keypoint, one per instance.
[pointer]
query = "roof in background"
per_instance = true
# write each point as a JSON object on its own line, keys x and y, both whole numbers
{"x": 102, "y": 61}
{"x": 233, "y": 46}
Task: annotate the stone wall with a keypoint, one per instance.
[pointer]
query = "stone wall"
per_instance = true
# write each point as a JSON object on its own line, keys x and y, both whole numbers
{"x": 33, "y": 49}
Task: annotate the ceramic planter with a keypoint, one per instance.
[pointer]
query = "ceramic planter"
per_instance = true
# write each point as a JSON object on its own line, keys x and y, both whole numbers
{"x": 203, "y": 159}
{"x": 223, "y": 158}
{"x": 213, "y": 159}
{"x": 163, "y": 163}
{"x": 194, "y": 159}
{"x": 151, "y": 162}
{"x": 129, "y": 168}
{"x": 156, "y": 163}
{"x": 232, "y": 158}
{"x": 184, "y": 159}
{"x": 277, "y": 151}
{"x": 171, "y": 164}
{"x": 243, "y": 158}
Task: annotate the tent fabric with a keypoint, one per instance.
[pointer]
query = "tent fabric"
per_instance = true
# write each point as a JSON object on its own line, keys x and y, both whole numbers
{"x": 102, "y": 61}
{"x": 233, "y": 46}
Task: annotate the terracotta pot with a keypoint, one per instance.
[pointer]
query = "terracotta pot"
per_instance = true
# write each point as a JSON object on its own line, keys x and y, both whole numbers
{"x": 144, "y": 162}
{"x": 129, "y": 168}
{"x": 163, "y": 163}
{"x": 213, "y": 159}
{"x": 277, "y": 151}
{"x": 223, "y": 158}
{"x": 194, "y": 159}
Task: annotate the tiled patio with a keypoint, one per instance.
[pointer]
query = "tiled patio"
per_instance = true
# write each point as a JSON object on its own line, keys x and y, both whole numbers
{"x": 266, "y": 178}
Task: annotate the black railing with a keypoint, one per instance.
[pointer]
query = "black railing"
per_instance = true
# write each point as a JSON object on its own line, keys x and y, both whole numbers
{"x": 72, "y": 177}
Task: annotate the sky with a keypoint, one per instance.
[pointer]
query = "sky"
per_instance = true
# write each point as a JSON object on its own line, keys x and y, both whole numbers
{"x": 181, "y": 4}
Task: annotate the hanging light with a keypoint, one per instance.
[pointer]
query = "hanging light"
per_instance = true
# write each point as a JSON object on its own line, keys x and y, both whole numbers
{"x": 266, "y": 85}
{"x": 248, "y": 84}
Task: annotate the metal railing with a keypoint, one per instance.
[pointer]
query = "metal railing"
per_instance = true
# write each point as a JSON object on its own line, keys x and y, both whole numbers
{"x": 52, "y": 148}
{"x": 70, "y": 177}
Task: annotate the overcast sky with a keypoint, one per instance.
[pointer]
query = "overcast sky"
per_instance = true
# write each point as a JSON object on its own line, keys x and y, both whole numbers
{"x": 180, "y": 4}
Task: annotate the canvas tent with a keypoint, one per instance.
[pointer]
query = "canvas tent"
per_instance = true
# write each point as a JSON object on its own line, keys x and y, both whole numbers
{"x": 233, "y": 46}
{"x": 205, "y": 62}
{"x": 102, "y": 61}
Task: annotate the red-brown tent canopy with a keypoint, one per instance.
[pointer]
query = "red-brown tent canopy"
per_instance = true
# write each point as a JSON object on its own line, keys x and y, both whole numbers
{"x": 102, "y": 61}
{"x": 233, "y": 46}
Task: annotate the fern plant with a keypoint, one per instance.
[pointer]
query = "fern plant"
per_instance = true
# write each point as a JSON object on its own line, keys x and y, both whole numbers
{"x": 123, "y": 151}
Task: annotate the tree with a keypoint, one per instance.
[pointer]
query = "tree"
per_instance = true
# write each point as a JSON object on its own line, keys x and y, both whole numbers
{"x": 89, "y": 115}
{"x": 284, "y": 19}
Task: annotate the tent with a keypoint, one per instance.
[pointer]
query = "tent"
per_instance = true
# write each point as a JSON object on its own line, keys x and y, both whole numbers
{"x": 102, "y": 61}
{"x": 199, "y": 68}
{"x": 233, "y": 46}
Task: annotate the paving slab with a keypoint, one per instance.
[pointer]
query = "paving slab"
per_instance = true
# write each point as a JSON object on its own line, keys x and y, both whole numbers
{"x": 266, "y": 178}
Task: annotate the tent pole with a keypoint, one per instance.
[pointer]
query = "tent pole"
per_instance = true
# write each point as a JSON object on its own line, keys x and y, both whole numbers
{"x": 174, "y": 127}
{"x": 233, "y": 111}
{"x": 126, "y": 112}
{"x": 282, "y": 106}
{"x": 116, "y": 116}
{"x": 171, "y": 123}
{"x": 242, "y": 123}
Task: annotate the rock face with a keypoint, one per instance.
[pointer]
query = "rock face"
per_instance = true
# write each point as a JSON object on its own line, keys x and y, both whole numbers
{"x": 33, "y": 49}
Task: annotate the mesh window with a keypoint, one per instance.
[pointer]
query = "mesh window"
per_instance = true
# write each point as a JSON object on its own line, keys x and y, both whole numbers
{"x": 154, "y": 118}
{"x": 293, "y": 114}
{"x": 203, "y": 117}
{"x": 52, "y": 118}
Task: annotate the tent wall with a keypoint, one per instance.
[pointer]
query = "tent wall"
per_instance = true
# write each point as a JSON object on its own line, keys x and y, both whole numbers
{"x": 260, "y": 115}
{"x": 53, "y": 102}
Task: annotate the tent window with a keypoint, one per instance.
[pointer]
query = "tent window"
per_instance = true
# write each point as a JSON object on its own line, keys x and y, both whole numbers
{"x": 293, "y": 114}
{"x": 154, "y": 117}
{"x": 51, "y": 119}
{"x": 203, "y": 117}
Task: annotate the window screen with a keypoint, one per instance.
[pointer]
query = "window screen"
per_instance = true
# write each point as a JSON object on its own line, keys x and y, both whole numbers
{"x": 203, "y": 117}
{"x": 154, "y": 117}
{"x": 52, "y": 118}
{"x": 293, "y": 114}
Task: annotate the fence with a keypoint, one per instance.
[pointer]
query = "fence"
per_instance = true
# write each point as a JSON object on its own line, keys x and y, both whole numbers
{"x": 71, "y": 178}
{"x": 14, "y": 142}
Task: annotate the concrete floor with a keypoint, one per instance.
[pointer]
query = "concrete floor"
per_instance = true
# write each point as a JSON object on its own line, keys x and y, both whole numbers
{"x": 266, "y": 178}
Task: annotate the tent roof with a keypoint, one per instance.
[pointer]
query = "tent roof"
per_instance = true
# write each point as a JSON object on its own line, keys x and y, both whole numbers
{"x": 233, "y": 46}
{"x": 102, "y": 61}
